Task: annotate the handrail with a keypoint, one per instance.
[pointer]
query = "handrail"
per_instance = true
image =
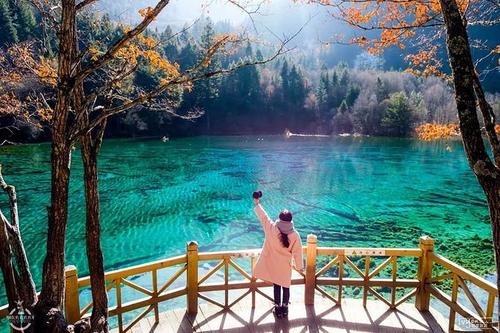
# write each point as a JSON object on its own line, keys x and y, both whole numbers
{"x": 331, "y": 273}
{"x": 464, "y": 273}
{"x": 383, "y": 251}
{"x": 135, "y": 270}
{"x": 478, "y": 317}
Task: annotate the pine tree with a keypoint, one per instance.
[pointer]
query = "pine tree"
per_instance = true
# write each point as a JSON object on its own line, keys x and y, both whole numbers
{"x": 343, "y": 108}
{"x": 323, "y": 91}
{"x": 209, "y": 89}
{"x": 335, "y": 78}
{"x": 352, "y": 94}
{"x": 284, "y": 77}
{"x": 170, "y": 44}
{"x": 259, "y": 56}
{"x": 396, "y": 120}
{"x": 297, "y": 90}
{"x": 8, "y": 30}
{"x": 24, "y": 19}
{"x": 381, "y": 90}
{"x": 248, "y": 78}
{"x": 344, "y": 79}
{"x": 187, "y": 57}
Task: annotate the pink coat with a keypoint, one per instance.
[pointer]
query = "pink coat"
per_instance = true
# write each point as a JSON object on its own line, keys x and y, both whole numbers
{"x": 275, "y": 261}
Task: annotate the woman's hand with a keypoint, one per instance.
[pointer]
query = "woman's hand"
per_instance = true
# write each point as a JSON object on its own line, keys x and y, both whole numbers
{"x": 256, "y": 197}
{"x": 301, "y": 271}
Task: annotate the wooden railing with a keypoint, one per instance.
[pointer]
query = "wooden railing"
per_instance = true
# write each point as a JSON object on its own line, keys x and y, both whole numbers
{"x": 329, "y": 271}
{"x": 463, "y": 279}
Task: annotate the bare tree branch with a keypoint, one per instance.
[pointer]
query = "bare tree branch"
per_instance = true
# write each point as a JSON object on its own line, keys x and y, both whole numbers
{"x": 84, "y": 3}
{"x": 127, "y": 37}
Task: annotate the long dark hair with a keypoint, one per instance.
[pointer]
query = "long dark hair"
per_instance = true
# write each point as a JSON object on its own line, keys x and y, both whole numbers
{"x": 284, "y": 240}
{"x": 285, "y": 216}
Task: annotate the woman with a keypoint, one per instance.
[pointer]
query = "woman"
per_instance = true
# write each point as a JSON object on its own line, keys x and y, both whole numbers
{"x": 282, "y": 243}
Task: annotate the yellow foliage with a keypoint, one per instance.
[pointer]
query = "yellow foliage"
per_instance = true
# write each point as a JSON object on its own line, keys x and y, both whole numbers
{"x": 158, "y": 63}
{"x": 94, "y": 52}
{"x": 46, "y": 71}
{"x": 397, "y": 21}
{"x": 145, "y": 12}
{"x": 434, "y": 131}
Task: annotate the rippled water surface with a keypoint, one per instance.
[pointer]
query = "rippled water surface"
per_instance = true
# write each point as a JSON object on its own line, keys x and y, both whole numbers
{"x": 349, "y": 191}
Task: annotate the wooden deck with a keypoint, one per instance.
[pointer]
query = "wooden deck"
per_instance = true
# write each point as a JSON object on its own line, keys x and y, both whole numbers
{"x": 322, "y": 317}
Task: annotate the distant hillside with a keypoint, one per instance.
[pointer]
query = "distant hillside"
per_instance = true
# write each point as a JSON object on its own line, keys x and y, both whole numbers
{"x": 275, "y": 17}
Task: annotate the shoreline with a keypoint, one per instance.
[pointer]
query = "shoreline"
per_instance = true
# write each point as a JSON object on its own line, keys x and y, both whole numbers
{"x": 7, "y": 143}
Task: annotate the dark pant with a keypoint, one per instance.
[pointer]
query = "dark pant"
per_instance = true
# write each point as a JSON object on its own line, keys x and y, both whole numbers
{"x": 277, "y": 295}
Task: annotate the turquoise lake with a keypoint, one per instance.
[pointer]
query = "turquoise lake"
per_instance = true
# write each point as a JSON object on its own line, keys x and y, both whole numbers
{"x": 349, "y": 191}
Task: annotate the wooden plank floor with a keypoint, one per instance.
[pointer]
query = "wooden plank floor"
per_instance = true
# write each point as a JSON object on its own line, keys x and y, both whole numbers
{"x": 324, "y": 316}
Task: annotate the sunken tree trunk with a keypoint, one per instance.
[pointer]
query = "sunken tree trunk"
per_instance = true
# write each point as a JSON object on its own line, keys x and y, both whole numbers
{"x": 7, "y": 268}
{"x": 19, "y": 285}
{"x": 488, "y": 175}
{"x": 48, "y": 310}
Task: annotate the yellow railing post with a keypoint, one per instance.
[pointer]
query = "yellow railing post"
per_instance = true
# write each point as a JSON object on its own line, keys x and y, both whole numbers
{"x": 192, "y": 277}
{"x": 310, "y": 269}
{"x": 424, "y": 274}
{"x": 72, "y": 296}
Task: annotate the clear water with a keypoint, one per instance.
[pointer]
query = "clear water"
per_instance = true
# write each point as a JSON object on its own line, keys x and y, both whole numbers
{"x": 349, "y": 191}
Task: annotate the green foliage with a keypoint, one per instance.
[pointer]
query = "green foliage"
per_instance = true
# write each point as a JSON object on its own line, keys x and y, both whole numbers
{"x": 382, "y": 92}
{"x": 8, "y": 31}
{"x": 323, "y": 91}
{"x": 207, "y": 90}
{"x": 352, "y": 94}
{"x": 397, "y": 117}
{"x": 24, "y": 19}
{"x": 284, "y": 76}
{"x": 296, "y": 91}
{"x": 188, "y": 56}
{"x": 290, "y": 92}
{"x": 17, "y": 22}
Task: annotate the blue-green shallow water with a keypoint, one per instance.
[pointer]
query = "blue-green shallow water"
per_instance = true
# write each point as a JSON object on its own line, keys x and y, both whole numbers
{"x": 349, "y": 191}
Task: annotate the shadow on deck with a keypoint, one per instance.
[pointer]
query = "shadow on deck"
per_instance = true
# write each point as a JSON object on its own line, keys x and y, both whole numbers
{"x": 322, "y": 317}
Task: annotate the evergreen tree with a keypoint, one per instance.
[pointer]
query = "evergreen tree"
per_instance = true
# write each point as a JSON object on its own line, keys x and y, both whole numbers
{"x": 208, "y": 89}
{"x": 145, "y": 79}
{"x": 323, "y": 92}
{"x": 342, "y": 121}
{"x": 396, "y": 119}
{"x": 343, "y": 108}
{"x": 24, "y": 19}
{"x": 335, "y": 78}
{"x": 8, "y": 30}
{"x": 259, "y": 56}
{"x": 352, "y": 94}
{"x": 297, "y": 91}
{"x": 381, "y": 90}
{"x": 169, "y": 42}
{"x": 248, "y": 78}
{"x": 344, "y": 79}
{"x": 187, "y": 57}
{"x": 284, "y": 77}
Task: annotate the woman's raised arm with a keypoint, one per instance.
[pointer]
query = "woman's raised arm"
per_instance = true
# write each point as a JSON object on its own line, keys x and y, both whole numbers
{"x": 264, "y": 219}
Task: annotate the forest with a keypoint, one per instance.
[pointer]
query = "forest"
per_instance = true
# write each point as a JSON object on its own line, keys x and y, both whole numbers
{"x": 296, "y": 92}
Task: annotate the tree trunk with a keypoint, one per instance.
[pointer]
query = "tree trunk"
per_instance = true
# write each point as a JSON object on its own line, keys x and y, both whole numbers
{"x": 463, "y": 69}
{"x": 53, "y": 279}
{"x": 99, "y": 318}
{"x": 6, "y": 266}
{"x": 492, "y": 190}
